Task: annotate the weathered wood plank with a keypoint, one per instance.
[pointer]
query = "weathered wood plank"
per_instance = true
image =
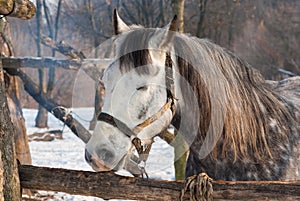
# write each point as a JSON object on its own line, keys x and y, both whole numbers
{"x": 107, "y": 185}
{"x": 23, "y": 9}
{"x": 52, "y": 62}
{"x": 93, "y": 67}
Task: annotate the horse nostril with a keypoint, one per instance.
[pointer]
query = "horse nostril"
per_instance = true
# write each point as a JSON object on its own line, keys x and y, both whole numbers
{"x": 88, "y": 157}
{"x": 105, "y": 155}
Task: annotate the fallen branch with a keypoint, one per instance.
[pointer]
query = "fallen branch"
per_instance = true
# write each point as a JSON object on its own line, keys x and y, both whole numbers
{"x": 51, "y": 106}
{"x": 107, "y": 185}
{"x": 23, "y": 9}
{"x": 46, "y": 136}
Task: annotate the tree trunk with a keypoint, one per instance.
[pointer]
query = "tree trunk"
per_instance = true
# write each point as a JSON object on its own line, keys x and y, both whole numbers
{"x": 12, "y": 94}
{"x": 8, "y": 162}
{"x": 181, "y": 150}
{"x": 20, "y": 138}
{"x": 202, "y": 8}
{"x": 99, "y": 93}
{"x": 53, "y": 30}
{"x": 180, "y": 155}
{"x": 41, "y": 120}
{"x": 178, "y": 9}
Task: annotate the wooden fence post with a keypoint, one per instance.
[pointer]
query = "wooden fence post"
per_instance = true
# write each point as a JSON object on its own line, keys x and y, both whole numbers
{"x": 9, "y": 179}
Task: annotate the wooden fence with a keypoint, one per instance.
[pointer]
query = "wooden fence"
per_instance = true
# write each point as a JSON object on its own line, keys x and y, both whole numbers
{"x": 108, "y": 185}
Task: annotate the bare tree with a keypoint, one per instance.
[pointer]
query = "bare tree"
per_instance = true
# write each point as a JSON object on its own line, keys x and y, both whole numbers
{"x": 148, "y": 13}
{"x": 41, "y": 120}
{"x": 202, "y": 11}
{"x": 178, "y": 9}
{"x": 181, "y": 149}
{"x": 270, "y": 37}
{"x": 53, "y": 27}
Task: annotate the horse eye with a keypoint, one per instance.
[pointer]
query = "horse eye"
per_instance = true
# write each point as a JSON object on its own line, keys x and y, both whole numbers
{"x": 143, "y": 88}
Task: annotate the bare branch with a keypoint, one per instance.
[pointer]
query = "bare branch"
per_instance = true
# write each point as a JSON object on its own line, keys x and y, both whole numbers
{"x": 51, "y": 106}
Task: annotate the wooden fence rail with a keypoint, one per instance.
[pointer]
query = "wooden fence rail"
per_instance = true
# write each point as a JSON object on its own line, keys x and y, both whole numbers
{"x": 92, "y": 67}
{"x": 108, "y": 185}
{"x": 41, "y": 62}
{"x": 52, "y": 62}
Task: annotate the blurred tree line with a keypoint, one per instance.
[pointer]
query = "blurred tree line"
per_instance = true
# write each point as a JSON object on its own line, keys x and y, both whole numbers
{"x": 264, "y": 32}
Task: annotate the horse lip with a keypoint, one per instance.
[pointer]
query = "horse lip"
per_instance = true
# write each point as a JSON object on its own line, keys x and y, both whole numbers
{"x": 99, "y": 165}
{"x": 131, "y": 165}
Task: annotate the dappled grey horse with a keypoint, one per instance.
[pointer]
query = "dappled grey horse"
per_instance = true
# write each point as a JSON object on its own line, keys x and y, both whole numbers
{"x": 237, "y": 125}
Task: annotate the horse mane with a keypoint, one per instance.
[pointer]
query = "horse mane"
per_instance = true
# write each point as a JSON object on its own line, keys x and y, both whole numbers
{"x": 251, "y": 110}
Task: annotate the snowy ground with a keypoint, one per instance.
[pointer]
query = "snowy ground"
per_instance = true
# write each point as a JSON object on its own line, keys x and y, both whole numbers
{"x": 69, "y": 153}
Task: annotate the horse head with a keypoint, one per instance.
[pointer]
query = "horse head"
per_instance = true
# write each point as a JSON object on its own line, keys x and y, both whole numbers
{"x": 139, "y": 102}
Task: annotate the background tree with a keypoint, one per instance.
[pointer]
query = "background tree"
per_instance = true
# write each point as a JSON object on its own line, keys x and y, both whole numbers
{"x": 181, "y": 147}
{"x": 41, "y": 120}
{"x": 53, "y": 27}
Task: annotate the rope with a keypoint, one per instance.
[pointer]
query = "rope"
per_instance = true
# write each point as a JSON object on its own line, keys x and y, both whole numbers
{"x": 67, "y": 112}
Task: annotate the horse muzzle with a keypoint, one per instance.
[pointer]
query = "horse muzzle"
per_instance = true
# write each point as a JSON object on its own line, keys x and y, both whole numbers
{"x": 97, "y": 164}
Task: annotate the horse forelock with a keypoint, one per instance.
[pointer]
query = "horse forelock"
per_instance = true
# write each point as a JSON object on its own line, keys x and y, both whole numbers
{"x": 132, "y": 50}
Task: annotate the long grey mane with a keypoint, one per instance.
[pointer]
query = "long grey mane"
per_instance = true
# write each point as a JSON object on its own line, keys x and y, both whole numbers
{"x": 256, "y": 117}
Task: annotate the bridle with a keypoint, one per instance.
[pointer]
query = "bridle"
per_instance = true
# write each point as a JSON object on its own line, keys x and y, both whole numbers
{"x": 143, "y": 151}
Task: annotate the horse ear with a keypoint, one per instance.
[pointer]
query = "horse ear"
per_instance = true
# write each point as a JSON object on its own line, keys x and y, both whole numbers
{"x": 119, "y": 25}
{"x": 165, "y": 36}
{"x": 173, "y": 25}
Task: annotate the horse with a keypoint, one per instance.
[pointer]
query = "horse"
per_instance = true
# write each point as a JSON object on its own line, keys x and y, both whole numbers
{"x": 238, "y": 126}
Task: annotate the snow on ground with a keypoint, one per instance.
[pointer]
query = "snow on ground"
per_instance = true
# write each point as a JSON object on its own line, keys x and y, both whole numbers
{"x": 69, "y": 152}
